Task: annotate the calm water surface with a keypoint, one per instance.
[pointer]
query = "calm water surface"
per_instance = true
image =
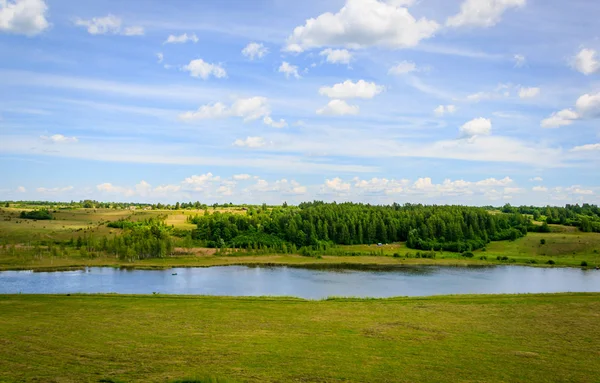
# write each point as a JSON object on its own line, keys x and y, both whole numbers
{"x": 305, "y": 283}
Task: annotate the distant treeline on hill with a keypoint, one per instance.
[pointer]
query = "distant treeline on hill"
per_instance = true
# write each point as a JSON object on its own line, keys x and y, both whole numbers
{"x": 586, "y": 217}
{"x": 318, "y": 224}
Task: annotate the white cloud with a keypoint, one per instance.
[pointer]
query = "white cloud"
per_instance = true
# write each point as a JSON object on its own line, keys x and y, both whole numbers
{"x": 520, "y": 60}
{"x": 444, "y": 109}
{"x": 54, "y": 190}
{"x": 109, "y": 24}
{"x": 181, "y": 39}
{"x": 336, "y": 185}
{"x": 380, "y": 185}
{"x": 242, "y": 177}
{"x": 482, "y": 13}
{"x": 476, "y": 127}
{"x": 289, "y": 70}
{"x": 363, "y": 23}
{"x": 495, "y": 182}
{"x": 349, "y": 89}
{"x": 21, "y": 189}
{"x": 529, "y": 92}
{"x": 536, "y": 179}
{"x": 576, "y": 189}
{"x": 586, "y": 61}
{"x": 24, "y": 17}
{"x": 247, "y": 108}
{"x": 133, "y": 31}
{"x": 337, "y": 56}
{"x": 403, "y": 67}
{"x": 58, "y": 139}
{"x": 282, "y": 186}
{"x": 275, "y": 124}
{"x": 200, "y": 182}
{"x": 338, "y": 108}
{"x": 160, "y": 57}
{"x": 202, "y": 69}
{"x": 561, "y": 118}
{"x": 540, "y": 189}
{"x": 250, "y": 142}
{"x": 255, "y": 50}
{"x": 586, "y": 148}
{"x": 588, "y": 105}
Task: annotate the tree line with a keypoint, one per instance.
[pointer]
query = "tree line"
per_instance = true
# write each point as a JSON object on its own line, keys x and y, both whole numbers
{"x": 318, "y": 224}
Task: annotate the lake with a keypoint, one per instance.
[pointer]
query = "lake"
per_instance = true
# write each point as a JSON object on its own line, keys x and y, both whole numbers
{"x": 305, "y": 283}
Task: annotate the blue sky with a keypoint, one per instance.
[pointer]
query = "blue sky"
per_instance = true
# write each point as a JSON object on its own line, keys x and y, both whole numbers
{"x": 434, "y": 101}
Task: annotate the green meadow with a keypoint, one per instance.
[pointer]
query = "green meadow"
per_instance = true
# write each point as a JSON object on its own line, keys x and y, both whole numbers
{"x": 93, "y": 338}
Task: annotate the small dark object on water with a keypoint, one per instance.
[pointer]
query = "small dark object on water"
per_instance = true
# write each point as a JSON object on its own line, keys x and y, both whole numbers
{"x": 174, "y": 274}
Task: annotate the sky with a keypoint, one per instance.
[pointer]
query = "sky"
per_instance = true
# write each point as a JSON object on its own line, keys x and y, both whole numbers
{"x": 479, "y": 102}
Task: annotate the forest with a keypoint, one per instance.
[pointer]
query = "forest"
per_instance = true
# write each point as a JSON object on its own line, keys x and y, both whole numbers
{"x": 318, "y": 225}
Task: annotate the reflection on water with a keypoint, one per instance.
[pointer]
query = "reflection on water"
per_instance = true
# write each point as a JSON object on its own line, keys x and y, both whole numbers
{"x": 313, "y": 282}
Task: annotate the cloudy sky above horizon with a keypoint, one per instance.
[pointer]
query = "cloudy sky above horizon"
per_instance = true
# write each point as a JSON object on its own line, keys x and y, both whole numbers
{"x": 433, "y": 101}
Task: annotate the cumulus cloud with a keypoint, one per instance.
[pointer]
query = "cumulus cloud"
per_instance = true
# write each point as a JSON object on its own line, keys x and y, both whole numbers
{"x": 360, "y": 24}
{"x": 338, "y": 108}
{"x": 54, "y": 190}
{"x": 587, "y": 106}
{"x": 24, "y": 17}
{"x": 482, "y": 13}
{"x": 282, "y": 186}
{"x": 536, "y": 179}
{"x": 336, "y": 56}
{"x": 250, "y": 142}
{"x": 275, "y": 124}
{"x": 476, "y": 127}
{"x": 242, "y": 177}
{"x": 529, "y": 92}
{"x": 349, "y": 89}
{"x": 109, "y": 24}
{"x": 289, "y": 70}
{"x": 248, "y": 109}
{"x": 561, "y": 118}
{"x": 21, "y": 189}
{"x": 200, "y": 182}
{"x": 181, "y": 39}
{"x": 58, "y": 139}
{"x": 444, "y": 109}
{"x": 586, "y": 61}
{"x": 336, "y": 185}
{"x": 587, "y": 148}
{"x": 202, "y": 69}
{"x": 402, "y": 68}
{"x": 255, "y": 50}
{"x": 539, "y": 189}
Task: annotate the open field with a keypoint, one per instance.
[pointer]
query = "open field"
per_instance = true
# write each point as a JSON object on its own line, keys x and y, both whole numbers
{"x": 526, "y": 338}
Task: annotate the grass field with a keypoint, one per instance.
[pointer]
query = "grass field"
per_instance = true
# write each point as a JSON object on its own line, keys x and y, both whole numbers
{"x": 565, "y": 246}
{"x": 526, "y": 338}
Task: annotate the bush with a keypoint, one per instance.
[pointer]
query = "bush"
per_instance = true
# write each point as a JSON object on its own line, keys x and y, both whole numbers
{"x": 584, "y": 264}
{"x": 468, "y": 254}
{"x": 42, "y": 214}
{"x": 551, "y": 262}
{"x": 542, "y": 241}
{"x": 396, "y": 255}
{"x": 483, "y": 258}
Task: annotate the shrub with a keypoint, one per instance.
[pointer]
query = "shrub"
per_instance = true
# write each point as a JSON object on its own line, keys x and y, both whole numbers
{"x": 483, "y": 258}
{"x": 467, "y": 254}
{"x": 542, "y": 241}
{"x": 584, "y": 264}
{"x": 396, "y": 255}
{"x": 551, "y": 262}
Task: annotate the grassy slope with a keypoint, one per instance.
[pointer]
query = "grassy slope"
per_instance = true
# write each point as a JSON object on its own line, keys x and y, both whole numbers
{"x": 535, "y": 338}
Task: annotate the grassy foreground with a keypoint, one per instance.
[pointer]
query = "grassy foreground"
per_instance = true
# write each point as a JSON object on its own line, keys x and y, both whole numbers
{"x": 79, "y": 338}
